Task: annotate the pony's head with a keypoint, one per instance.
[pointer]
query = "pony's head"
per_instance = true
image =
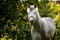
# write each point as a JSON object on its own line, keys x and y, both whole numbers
{"x": 32, "y": 13}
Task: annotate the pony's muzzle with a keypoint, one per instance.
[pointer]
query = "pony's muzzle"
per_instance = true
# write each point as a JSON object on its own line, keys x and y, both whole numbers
{"x": 31, "y": 21}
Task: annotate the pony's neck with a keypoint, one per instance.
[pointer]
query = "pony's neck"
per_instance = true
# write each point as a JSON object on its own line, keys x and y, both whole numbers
{"x": 39, "y": 19}
{"x": 38, "y": 23}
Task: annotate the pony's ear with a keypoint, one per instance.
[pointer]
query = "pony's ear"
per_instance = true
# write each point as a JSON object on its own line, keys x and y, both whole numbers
{"x": 28, "y": 6}
{"x": 35, "y": 5}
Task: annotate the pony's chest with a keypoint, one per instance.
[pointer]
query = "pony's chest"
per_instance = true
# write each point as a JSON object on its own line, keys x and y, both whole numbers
{"x": 35, "y": 35}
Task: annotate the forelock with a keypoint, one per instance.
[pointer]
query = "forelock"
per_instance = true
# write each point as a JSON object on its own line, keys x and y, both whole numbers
{"x": 32, "y": 6}
{"x": 28, "y": 9}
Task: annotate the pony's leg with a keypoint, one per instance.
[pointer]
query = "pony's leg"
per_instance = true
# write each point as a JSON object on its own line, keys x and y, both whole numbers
{"x": 53, "y": 36}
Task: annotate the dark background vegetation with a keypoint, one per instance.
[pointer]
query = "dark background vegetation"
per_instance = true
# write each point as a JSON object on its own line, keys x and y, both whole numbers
{"x": 14, "y": 24}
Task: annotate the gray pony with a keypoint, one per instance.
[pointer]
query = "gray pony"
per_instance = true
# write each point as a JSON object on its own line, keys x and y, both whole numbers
{"x": 42, "y": 28}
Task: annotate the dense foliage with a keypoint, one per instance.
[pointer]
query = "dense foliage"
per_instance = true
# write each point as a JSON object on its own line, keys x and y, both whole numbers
{"x": 14, "y": 24}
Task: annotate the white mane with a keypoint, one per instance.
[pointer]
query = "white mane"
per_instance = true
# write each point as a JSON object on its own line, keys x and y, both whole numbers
{"x": 28, "y": 9}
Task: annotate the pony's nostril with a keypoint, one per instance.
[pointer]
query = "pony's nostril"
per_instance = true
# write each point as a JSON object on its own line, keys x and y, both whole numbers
{"x": 31, "y": 21}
